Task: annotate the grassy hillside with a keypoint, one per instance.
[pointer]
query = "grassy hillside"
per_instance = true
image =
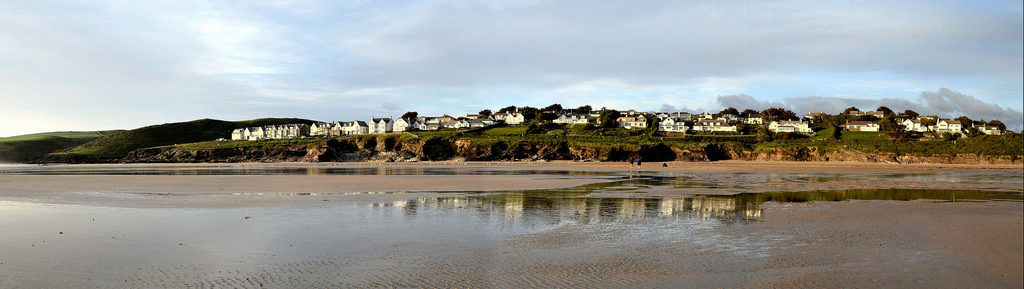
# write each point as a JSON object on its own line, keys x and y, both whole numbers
{"x": 118, "y": 145}
{"x": 31, "y": 147}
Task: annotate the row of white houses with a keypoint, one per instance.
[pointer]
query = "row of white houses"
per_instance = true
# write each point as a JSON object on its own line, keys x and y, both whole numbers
{"x": 285, "y": 131}
{"x": 946, "y": 126}
{"x": 668, "y": 122}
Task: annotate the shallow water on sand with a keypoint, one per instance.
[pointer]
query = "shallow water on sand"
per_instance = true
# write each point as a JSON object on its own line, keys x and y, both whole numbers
{"x": 608, "y": 234}
{"x": 444, "y": 240}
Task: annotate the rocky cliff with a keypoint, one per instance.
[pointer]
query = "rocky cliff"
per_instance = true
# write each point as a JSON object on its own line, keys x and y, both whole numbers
{"x": 390, "y": 149}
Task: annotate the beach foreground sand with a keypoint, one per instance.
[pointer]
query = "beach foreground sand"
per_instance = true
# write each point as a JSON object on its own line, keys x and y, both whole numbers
{"x": 496, "y": 225}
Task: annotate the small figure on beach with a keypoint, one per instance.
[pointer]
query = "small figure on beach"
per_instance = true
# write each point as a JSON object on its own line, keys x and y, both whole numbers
{"x": 664, "y": 165}
{"x": 638, "y": 161}
{"x": 630, "y": 162}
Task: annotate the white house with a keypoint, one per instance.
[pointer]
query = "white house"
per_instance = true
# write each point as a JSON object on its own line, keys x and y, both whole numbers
{"x": 320, "y": 129}
{"x": 515, "y": 118}
{"x": 427, "y": 126}
{"x": 473, "y": 123}
{"x": 752, "y": 120}
{"x": 404, "y": 124}
{"x": 861, "y": 126}
{"x": 729, "y": 118}
{"x": 255, "y": 133}
{"x": 632, "y": 122}
{"x": 790, "y": 126}
{"x": 673, "y": 124}
{"x": 877, "y": 114}
{"x": 705, "y": 116}
{"x": 238, "y": 134}
{"x": 948, "y": 126}
{"x": 713, "y": 126}
{"x": 381, "y": 125}
{"x": 283, "y": 131}
{"x": 572, "y": 119}
{"x": 499, "y": 116}
{"x": 914, "y": 125}
{"x": 988, "y": 129}
{"x": 814, "y": 117}
{"x": 354, "y": 127}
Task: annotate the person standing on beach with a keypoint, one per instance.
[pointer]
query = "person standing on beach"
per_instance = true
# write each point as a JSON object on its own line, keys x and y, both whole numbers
{"x": 638, "y": 161}
{"x": 631, "y": 163}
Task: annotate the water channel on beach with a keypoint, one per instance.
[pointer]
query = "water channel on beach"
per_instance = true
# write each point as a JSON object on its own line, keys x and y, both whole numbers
{"x": 624, "y": 231}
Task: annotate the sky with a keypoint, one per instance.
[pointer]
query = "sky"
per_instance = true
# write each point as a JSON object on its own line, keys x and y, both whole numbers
{"x": 92, "y": 65}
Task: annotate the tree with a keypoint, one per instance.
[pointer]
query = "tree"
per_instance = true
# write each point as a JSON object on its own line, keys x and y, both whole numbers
{"x": 554, "y": 108}
{"x": 910, "y": 113}
{"x": 885, "y": 110}
{"x": 889, "y": 124}
{"x": 849, "y": 109}
{"x": 764, "y": 135}
{"x": 545, "y": 116}
{"x": 652, "y": 124}
{"x": 948, "y": 136}
{"x": 898, "y": 132}
{"x": 608, "y": 118}
{"x": 584, "y": 109}
{"x": 729, "y": 110}
{"x": 973, "y": 131}
{"x": 837, "y": 132}
{"x": 778, "y": 113}
{"x": 964, "y": 120}
{"x": 748, "y": 112}
{"x": 997, "y": 123}
{"x": 529, "y": 112}
{"x": 485, "y": 113}
{"x": 508, "y": 109}
{"x": 410, "y": 114}
{"x": 748, "y": 129}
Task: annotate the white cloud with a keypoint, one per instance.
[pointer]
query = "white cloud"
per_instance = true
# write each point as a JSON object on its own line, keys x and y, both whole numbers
{"x": 132, "y": 63}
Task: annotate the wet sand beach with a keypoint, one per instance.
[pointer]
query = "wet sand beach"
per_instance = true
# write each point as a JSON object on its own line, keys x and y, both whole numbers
{"x": 533, "y": 225}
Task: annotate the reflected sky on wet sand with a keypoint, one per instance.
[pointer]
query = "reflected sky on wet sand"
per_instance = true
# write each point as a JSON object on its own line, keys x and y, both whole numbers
{"x": 342, "y": 244}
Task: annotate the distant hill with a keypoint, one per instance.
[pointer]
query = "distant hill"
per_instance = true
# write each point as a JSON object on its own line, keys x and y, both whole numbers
{"x": 31, "y": 147}
{"x": 118, "y": 145}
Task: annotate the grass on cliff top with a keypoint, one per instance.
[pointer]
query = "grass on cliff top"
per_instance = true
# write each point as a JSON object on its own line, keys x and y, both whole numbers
{"x": 119, "y": 144}
{"x": 871, "y": 142}
{"x": 31, "y": 147}
{"x": 616, "y": 138}
{"x": 254, "y": 143}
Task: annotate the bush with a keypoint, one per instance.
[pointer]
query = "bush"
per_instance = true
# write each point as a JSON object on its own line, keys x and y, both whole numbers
{"x": 716, "y": 152}
{"x": 658, "y": 153}
{"x": 789, "y": 136}
{"x": 498, "y": 149}
{"x": 438, "y": 149}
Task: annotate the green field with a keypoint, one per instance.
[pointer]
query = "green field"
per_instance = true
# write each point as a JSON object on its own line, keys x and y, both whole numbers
{"x": 30, "y": 147}
{"x": 118, "y": 145}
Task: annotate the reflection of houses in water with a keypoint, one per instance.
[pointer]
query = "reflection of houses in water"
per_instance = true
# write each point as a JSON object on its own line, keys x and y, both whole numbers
{"x": 724, "y": 207}
{"x": 668, "y": 207}
{"x": 557, "y": 209}
{"x": 632, "y": 208}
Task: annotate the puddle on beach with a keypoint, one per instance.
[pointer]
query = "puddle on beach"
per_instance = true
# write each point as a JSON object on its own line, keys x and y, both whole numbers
{"x": 340, "y": 244}
{"x": 427, "y": 239}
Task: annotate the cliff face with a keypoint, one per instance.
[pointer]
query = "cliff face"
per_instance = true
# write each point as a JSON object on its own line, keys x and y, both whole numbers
{"x": 385, "y": 149}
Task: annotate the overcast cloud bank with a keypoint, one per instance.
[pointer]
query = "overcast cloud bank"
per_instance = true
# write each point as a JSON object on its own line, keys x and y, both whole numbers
{"x": 106, "y": 64}
{"x": 944, "y": 103}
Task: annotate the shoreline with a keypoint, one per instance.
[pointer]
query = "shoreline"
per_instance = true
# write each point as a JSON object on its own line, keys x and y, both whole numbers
{"x": 269, "y": 184}
{"x": 725, "y": 165}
